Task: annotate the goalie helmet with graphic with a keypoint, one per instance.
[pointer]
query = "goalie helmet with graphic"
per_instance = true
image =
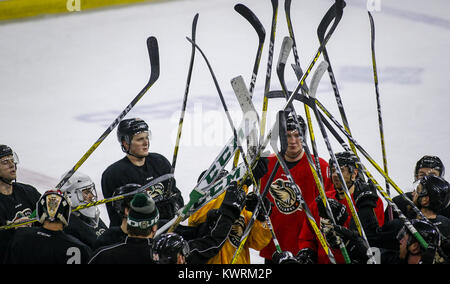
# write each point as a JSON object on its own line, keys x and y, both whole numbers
{"x": 80, "y": 189}
{"x": 53, "y": 206}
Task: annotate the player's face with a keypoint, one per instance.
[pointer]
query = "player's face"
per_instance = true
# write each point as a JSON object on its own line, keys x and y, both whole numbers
{"x": 295, "y": 147}
{"x": 423, "y": 172}
{"x": 139, "y": 144}
{"x": 8, "y": 168}
{"x": 345, "y": 173}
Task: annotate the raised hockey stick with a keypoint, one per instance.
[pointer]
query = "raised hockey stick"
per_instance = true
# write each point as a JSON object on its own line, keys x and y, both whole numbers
{"x": 377, "y": 94}
{"x": 152, "y": 46}
{"x": 183, "y": 107}
{"x": 299, "y": 202}
{"x": 259, "y": 28}
{"x": 269, "y": 69}
{"x": 98, "y": 202}
{"x": 316, "y": 79}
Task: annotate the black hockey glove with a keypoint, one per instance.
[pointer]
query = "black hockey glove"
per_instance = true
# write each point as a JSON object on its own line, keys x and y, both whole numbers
{"x": 339, "y": 211}
{"x": 167, "y": 207}
{"x": 250, "y": 205}
{"x": 365, "y": 194}
{"x": 284, "y": 257}
{"x": 259, "y": 170}
{"x": 233, "y": 201}
{"x": 356, "y": 246}
{"x": 306, "y": 256}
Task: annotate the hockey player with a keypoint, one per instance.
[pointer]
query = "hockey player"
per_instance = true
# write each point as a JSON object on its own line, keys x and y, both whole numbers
{"x": 199, "y": 244}
{"x": 364, "y": 194}
{"x": 17, "y": 200}
{"x": 48, "y": 244}
{"x": 258, "y": 237}
{"x": 116, "y": 234}
{"x": 427, "y": 165}
{"x": 141, "y": 227}
{"x": 139, "y": 167}
{"x": 287, "y": 220}
{"x": 84, "y": 224}
{"x": 410, "y": 251}
{"x": 430, "y": 195}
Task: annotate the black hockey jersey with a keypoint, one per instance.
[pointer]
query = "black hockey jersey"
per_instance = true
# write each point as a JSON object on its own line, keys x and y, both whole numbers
{"x": 124, "y": 172}
{"x": 21, "y": 203}
{"x": 130, "y": 251}
{"x": 84, "y": 229}
{"x": 38, "y": 245}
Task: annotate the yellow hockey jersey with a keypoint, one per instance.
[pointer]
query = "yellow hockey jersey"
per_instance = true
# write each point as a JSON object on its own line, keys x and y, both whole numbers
{"x": 258, "y": 238}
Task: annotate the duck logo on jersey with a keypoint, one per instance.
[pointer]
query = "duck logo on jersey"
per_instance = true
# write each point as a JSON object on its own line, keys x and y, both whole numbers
{"x": 237, "y": 230}
{"x": 284, "y": 196}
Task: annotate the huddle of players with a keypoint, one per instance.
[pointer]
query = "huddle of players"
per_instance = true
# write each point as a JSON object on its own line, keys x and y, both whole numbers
{"x": 214, "y": 232}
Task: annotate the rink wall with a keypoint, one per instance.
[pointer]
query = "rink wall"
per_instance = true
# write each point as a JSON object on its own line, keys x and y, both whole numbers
{"x": 21, "y": 9}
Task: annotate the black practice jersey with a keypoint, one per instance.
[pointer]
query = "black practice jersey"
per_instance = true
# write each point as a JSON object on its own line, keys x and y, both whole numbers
{"x": 37, "y": 245}
{"x": 21, "y": 203}
{"x": 85, "y": 229}
{"x": 130, "y": 251}
{"x": 124, "y": 172}
{"x": 112, "y": 235}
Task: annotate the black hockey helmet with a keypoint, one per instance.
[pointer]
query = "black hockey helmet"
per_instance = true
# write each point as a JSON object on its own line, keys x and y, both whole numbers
{"x": 5, "y": 150}
{"x": 166, "y": 248}
{"x": 426, "y": 229}
{"x": 292, "y": 125}
{"x": 432, "y": 162}
{"x": 127, "y": 128}
{"x": 438, "y": 191}
{"x": 121, "y": 204}
{"x": 53, "y": 206}
{"x": 346, "y": 158}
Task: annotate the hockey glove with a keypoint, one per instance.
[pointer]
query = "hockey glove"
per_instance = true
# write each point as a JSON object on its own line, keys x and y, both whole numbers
{"x": 250, "y": 205}
{"x": 284, "y": 257}
{"x": 306, "y": 256}
{"x": 233, "y": 201}
{"x": 365, "y": 194}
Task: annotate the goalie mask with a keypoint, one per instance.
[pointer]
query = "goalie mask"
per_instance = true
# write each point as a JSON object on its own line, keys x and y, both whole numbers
{"x": 80, "y": 189}
{"x": 53, "y": 206}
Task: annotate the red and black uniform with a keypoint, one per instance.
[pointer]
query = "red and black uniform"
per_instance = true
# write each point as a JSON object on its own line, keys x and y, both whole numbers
{"x": 287, "y": 220}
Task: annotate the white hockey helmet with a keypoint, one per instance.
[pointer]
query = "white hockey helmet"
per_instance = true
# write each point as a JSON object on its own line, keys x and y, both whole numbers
{"x": 80, "y": 189}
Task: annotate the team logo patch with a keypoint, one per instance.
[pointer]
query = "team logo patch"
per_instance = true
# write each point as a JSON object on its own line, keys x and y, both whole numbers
{"x": 284, "y": 196}
{"x": 237, "y": 230}
{"x": 53, "y": 201}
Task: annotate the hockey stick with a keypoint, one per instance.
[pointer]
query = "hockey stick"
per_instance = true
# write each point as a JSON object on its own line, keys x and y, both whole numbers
{"x": 152, "y": 46}
{"x": 316, "y": 79}
{"x": 195, "y": 195}
{"x": 311, "y": 103}
{"x": 378, "y": 187}
{"x": 183, "y": 107}
{"x": 269, "y": 69}
{"x": 317, "y": 174}
{"x": 98, "y": 202}
{"x": 225, "y": 107}
{"x": 259, "y": 28}
{"x": 299, "y": 197}
{"x": 255, "y": 213}
{"x": 377, "y": 93}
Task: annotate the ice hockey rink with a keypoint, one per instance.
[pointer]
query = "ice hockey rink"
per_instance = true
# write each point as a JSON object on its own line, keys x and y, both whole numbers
{"x": 65, "y": 78}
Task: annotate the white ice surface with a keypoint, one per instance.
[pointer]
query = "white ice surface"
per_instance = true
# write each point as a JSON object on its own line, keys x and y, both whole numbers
{"x": 64, "y": 79}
